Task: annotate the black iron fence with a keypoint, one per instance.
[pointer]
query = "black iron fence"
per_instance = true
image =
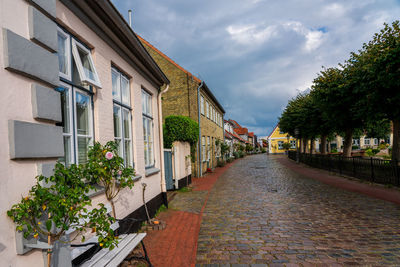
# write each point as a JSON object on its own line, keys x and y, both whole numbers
{"x": 369, "y": 169}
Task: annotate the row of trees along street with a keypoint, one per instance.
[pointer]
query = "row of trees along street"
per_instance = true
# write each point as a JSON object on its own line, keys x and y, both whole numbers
{"x": 359, "y": 96}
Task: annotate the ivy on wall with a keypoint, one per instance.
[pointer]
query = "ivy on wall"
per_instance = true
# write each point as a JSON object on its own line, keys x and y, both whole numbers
{"x": 180, "y": 128}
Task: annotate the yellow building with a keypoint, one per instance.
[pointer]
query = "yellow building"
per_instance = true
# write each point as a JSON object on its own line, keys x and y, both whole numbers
{"x": 276, "y": 140}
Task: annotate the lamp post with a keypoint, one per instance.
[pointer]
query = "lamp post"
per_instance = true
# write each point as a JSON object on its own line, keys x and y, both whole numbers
{"x": 296, "y": 132}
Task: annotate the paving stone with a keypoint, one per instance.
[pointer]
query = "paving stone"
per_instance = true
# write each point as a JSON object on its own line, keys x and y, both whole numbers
{"x": 289, "y": 219}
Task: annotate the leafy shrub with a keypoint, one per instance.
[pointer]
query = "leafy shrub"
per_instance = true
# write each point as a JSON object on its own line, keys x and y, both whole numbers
{"x": 236, "y": 155}
{"x": 221, "y": 163}
{"x": 372, "y": 152}
{"x": 354, "y": 147}
{"x": 229, "y": 160}
{"x": 263, "y": 150}
{"x": 58, "y": 203}
{"x": 107, "y": 168}
{"x": 180, "y": 128}
{"x": 383, "y": 146}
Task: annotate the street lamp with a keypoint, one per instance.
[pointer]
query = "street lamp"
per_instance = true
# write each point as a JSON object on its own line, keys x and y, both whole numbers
{"x": 296, "y": 132}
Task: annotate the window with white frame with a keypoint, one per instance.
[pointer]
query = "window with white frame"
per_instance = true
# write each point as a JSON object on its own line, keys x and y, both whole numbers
{"x": 213, "y": 114}
{"x": 292, "y": 144}
{"x": 280, "y": 144}
{"x": 84, "y": 64}
{"x": 122, "y": 115}
{"x": 76, "y": 103}
{"x": 202, "y": 105}
{"x": 207, "y": 109}
{"x": 147, "y": 129}
{"x": 367, "y": 141}
{"x": 64, "y": 54}
{"x": 203, "y": 148}
{"x": 376, "y": 141}
{"x": 208, "y": 148}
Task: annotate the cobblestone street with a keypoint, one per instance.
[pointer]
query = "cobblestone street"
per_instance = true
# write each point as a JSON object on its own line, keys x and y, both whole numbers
{"x": 261, "y": 212}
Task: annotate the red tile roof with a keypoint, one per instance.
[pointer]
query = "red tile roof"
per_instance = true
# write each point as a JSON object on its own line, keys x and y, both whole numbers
{"x": 241, "y": 130}
{"x": 167, "y": 58}
{"x": 251, "y": 134}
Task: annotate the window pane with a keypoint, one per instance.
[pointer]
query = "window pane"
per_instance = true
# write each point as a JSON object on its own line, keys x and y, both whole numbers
{"x": 144, "y": 103}
{"x": 119, "y": 146}
{"x": 125, "y": 91}
{"x": 82, "y": 114}
{"x": 87, "y": 67}
{"x": 67, "y": 150}
{"x": 127, "y": 152}
{"x": 83, "y": 144}
{"x": 65, "y": 110}
{"x": 117, "y": 121}
{"x": 62, "y": 54}
{"x": 127, "y": 124}
{"x": 115, "y": 77}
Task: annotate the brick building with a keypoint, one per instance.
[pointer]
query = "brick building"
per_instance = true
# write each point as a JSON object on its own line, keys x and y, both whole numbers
{"x": 189, "y": 96}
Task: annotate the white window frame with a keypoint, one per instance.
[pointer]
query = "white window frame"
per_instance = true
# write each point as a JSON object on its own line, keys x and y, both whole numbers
{"x": 79, "y": 65}
{"x": 367, "y": 141}
{"x": 208, "y": 109}
{"x": 70, "y": 124}
{"x": 203, "y": 146}
{"x": 90, "y": 117}
{"x": 68, "y": 51}
{"x": 292, "y": 144}
{"x": 280, "y": 145}
{"x": 123, "y": 138}
{"x": 202, "y": 105}
{"x": 150, "y": 162}
{"x": 209, "y": 149}
{"x": 376, "y": 141}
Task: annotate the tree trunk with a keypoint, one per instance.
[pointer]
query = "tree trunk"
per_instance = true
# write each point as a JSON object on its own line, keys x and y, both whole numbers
{"x": 312, "y": 146}
{"x": 323, "y": 144}
{"x": 348, "y": 138}
{"x": 304, "y": 142}
{"x": 113, "y": 209}
{"x": 396, "y": 140}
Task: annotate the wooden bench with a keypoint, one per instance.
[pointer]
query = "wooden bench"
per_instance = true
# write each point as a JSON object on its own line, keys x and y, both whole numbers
{"x": 104, "y": 256}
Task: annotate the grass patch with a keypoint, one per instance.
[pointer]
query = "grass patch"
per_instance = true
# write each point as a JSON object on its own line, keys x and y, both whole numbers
{"x": 162, "y": 208}
{"x": 185, "y": 189}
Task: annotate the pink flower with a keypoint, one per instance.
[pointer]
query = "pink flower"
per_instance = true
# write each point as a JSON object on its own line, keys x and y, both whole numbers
{"x": 119, "y": 173}
{"x": 109, "y": 155}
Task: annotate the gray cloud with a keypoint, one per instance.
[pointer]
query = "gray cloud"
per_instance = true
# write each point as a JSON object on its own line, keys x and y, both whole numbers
{"x": 257, "y": 54}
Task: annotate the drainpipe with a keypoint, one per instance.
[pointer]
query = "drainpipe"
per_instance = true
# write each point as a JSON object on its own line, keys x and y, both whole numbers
{"x": 199, "y": 167}
{"x": 160, "y": 134}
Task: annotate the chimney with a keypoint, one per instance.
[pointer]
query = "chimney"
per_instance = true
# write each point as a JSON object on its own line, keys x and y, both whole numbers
{"x": 130, "y": 17}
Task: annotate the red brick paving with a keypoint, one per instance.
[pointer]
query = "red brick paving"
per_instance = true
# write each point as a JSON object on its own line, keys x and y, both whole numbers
{"x": 177, "y": 244}
{"x": 375, "y": 191}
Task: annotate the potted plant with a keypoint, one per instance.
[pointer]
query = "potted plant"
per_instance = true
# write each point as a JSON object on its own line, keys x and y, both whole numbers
{"x": 59, "y": 203}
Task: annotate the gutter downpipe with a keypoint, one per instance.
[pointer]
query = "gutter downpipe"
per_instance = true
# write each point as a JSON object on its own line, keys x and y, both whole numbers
{"x": 199, "y": 167}
{"x": 160, "y": 133}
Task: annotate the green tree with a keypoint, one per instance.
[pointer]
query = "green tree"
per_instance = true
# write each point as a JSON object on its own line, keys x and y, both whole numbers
{"x": 381, "y": 65}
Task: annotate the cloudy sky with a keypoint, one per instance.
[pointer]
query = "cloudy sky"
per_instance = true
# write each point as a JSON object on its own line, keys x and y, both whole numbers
{"x": 257, "y": 54}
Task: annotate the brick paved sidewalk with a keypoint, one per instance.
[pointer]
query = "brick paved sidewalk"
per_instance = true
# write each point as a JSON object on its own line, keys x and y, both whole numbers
{"x": 372, "y": 190}
{"x": 177, "y": 244}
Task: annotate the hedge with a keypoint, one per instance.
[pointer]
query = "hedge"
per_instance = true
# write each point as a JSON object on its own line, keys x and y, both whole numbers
{"x": 180, "y": 128}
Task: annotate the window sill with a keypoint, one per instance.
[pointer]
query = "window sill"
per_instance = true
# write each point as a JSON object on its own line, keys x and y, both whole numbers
{"x": 151, "y": 171}
{"x": 98, "y": 190}
{"x": 137, "y": 178}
